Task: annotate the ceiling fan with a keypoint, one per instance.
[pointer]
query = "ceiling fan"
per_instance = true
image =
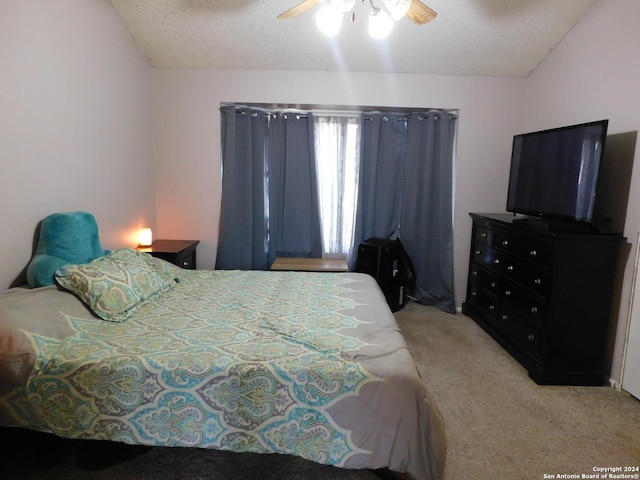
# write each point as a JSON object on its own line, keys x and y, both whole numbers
{"x": 414, "y": 10}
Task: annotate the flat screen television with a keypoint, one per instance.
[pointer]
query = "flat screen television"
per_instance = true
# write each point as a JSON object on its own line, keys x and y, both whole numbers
{"x": 554, "y": 173}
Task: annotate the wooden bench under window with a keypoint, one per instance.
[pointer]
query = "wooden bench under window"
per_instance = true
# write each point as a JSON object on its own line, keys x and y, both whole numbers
{"x": 310, "y": 264}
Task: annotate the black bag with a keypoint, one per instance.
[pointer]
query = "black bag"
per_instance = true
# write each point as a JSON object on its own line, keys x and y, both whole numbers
{"x": 387, "y": 261}
{"x": 407, "y": 271}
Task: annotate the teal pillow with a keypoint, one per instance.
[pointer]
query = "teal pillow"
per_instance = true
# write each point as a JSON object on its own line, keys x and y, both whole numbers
{"x": 112, "y": 286}
{"x": 64, "y": 238}
{"x": 42, "y": 268}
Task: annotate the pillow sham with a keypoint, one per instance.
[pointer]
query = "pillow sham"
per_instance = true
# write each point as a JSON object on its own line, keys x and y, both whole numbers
{"x": 113, "y": 285}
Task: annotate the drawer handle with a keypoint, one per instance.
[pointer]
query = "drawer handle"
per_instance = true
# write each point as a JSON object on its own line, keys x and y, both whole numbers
{"x": 537, "y": 282}
{"x": 483, "y": 235}
{"x": 510, "y": 268}
{"x": 474, "y": 273}
{"x": 474, "y": 294}
{"x": 492, "y": 307}
{"x": 533, "y": 253}
{"x": 477, "y": 252}
{"x": 492, "y": 284}
{"x": 531, "y": 337}
{"x": 496, "y": 261}
{"x": 507, "y": 293}
{"x": 534, "y": 310}
{"x": 185, "y": 263}
{"x": 505, "y": 243}
{"x": 505, "y": 317}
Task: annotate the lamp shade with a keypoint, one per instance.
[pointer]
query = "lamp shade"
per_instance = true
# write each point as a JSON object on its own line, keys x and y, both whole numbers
{"x": 145, "y": 237}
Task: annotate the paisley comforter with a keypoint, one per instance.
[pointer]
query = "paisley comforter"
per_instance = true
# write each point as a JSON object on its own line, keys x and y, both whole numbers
{"x": 300, "y": 363}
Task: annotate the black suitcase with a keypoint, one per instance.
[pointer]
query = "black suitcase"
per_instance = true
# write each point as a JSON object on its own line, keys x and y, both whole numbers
{"x": 387, "y": 262}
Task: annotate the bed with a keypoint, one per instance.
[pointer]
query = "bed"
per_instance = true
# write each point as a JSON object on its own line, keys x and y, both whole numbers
{"x": 298, "y": 363}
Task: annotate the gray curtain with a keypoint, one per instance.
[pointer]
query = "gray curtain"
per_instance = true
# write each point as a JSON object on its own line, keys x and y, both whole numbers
{"x": 381, "y": 170}
{"x": 269, "y": 193}
{"x": 294, "y": 213}
{"x": 242, "y": 243}
{"x": 426, "y": 223}
{"x": 406, "y": 192}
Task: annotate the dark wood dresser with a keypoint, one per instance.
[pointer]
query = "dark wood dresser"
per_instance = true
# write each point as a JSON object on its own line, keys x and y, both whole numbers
{"x": 544, "y": 296}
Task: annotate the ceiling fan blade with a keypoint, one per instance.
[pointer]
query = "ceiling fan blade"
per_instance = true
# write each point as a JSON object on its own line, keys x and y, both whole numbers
{"x": 419, "y": 13}
{"x": 299, "y": 9}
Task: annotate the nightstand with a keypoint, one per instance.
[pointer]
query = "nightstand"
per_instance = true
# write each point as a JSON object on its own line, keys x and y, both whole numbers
{"x": 179, "y": 252}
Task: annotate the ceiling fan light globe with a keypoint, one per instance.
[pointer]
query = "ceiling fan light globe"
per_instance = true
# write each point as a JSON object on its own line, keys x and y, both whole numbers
{"x": 329, "y": 21}
{"x": 397, "y": 8}
{"x": 380, "y": 24}
{"x": 343, "y": 6}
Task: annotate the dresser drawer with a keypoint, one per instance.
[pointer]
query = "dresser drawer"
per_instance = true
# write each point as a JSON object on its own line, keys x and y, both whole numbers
{"x": 525, "y": 273}
{"x": 532, "y": 250}
{"x": 483, "y": 301}
{"x": 487, "y": 257}
{"x": 486, "y": 279}
{"x": 532, "y": 307}
{"x": 483, "y": 237}
{"x": 523, "y": 335}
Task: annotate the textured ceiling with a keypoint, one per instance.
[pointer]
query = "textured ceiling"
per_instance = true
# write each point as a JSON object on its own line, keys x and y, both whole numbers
{"x": 468, "y": 37}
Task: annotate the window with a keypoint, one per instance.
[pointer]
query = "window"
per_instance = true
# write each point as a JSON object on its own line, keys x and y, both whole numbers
{"x": 337, "y": 149}
{"x": 392, "y": 170}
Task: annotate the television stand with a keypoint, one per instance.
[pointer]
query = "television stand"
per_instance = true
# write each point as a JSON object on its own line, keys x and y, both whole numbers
{"x": 555, "y": 226}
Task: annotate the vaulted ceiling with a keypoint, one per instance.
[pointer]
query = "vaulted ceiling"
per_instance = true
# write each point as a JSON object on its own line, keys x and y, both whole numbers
{"x": 468, "y": 37}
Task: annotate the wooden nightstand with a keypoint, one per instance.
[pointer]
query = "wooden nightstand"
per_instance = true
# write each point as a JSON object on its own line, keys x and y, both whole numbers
{"x": 179, "y": 252}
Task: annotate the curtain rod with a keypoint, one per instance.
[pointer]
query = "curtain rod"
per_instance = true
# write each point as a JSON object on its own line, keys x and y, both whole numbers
{"x": 402, "y": 116}
{"x": 304, "y": 109}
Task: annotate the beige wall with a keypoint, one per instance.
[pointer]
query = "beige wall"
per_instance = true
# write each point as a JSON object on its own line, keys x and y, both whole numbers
{"x": 593, "y": 74}
{"x": 75, "y": 126}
